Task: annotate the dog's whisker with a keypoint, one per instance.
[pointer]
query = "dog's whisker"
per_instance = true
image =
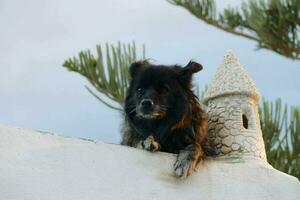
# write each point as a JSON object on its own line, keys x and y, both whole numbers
{"x": 130, "y": 106}
{"x": 132, "y": 111}
{"x": 163, "y": 109}
{"x": 164, "y": 106}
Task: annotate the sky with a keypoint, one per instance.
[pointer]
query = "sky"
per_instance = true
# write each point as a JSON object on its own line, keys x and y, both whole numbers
{"x": 36, "y": 36}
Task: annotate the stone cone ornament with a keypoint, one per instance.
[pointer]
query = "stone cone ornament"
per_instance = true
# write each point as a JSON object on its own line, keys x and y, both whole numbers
{"x": 232, "y": 108}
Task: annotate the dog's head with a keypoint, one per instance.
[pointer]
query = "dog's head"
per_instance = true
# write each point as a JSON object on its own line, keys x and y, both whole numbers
{"x": 157, "y": 91}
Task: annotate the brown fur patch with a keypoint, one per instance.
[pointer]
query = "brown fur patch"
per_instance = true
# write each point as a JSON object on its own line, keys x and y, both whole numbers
{"x": 182, "y": 123}
{"x": 199, "y": 120}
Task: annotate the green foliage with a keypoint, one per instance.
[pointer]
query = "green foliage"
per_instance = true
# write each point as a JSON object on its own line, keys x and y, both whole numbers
{"x": 281, "y": 131}
{"x": 110, "y": 75}
{"x": 280, "y": 126}
{"x": 273, "y": 24}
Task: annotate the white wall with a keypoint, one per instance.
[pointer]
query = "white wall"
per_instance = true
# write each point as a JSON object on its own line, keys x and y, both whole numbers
{"x": 35, "y": 166}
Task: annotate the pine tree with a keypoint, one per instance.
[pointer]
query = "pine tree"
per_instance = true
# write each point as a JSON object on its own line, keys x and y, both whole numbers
{"x": 272, "y": 24}
{"x": 109, "y": 76}
{"x": 281, "y": 132}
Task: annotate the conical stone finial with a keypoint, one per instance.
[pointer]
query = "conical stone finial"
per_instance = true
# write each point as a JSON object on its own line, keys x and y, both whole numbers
{"x": 231, "y": 78}
{"x": 233, "y": 119}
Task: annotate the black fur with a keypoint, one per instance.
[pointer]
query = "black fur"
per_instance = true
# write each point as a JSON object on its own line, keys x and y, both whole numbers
{"x": 160, "y": 107}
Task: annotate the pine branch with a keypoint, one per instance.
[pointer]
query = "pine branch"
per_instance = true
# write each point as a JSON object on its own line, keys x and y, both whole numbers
{"x": 109, "y": 76}
{"x": 101, "y": 100}
{"x": 273, "y": 24}
{"x": 281, "y": 131}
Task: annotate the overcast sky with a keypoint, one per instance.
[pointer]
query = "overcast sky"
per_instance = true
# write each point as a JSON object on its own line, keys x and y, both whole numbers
{"x": 36, "y": 37}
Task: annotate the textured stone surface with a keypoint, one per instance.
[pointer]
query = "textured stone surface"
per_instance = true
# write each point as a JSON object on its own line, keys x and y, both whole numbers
{"x": 231, "y": 95}
{"x": 39, "y": 166}
{"x": 231, "y": 78}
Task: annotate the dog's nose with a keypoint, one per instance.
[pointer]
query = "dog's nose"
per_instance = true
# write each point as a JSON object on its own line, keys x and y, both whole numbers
{"x": 147, "y": 103}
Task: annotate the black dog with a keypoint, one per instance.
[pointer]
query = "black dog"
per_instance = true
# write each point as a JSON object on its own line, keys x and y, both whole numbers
{"x": 162, "y": 113}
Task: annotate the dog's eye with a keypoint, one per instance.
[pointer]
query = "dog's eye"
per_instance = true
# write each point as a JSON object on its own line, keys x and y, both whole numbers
{"x": 164, "y": 89}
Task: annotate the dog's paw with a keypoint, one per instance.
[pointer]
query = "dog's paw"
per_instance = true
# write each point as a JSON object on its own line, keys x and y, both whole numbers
{"x": 150, "y": 144}
{"x": 184, "y": 165}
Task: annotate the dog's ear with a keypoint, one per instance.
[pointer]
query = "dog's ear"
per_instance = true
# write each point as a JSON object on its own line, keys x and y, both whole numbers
{"x": 136, "y": 67}
{"x": 185, "y": 75}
